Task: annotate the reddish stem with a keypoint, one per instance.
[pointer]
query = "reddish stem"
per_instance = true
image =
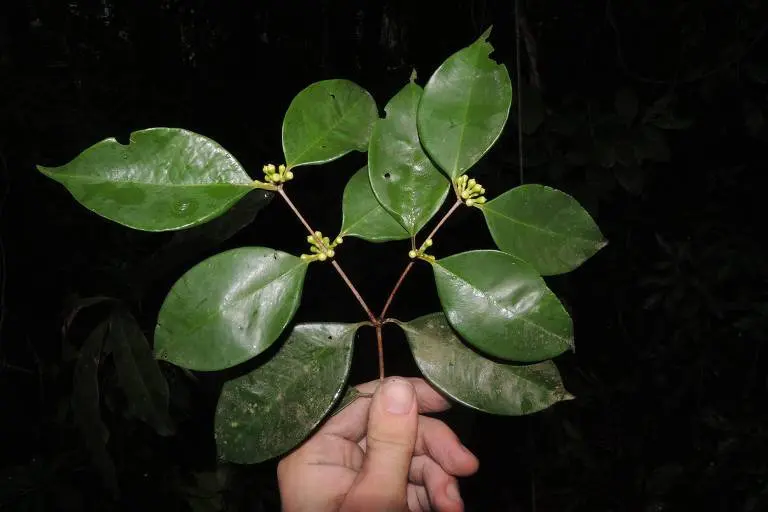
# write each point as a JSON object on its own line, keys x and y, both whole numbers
{"x": 343, "y": 275}
{"x": 410, "y": 264}
{"x": 380, "y": 345}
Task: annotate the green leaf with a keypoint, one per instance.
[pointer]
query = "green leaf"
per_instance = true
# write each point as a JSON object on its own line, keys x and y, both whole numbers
{"x": 475, "y": 381}
{"x": 189, "y": 244}
{"x": 267, "y": 412}
{"x": 464, "y": 108}
{"x": 86, "y": 406}
{"x": 501, "y": 305}
{"x": 164, "y": 179}
{"x": 326, "y": 121}
{"x": 138, "y": 373}
{"x": 229, "y": 308}
{"x": 543, "y": 226}
{"x": 403, "y": 178}
{"x": 363, "y": 216}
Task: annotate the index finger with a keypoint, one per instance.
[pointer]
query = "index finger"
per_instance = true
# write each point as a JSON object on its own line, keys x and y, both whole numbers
{"x": 351, "y": 423}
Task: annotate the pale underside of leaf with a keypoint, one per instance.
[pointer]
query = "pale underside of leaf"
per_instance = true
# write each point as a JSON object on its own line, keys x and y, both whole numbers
{"x": 475, "y": 381}
{"x": 270, "y": 410}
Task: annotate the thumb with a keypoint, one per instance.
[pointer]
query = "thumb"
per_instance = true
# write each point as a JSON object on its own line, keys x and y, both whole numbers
{"x": 392, "y": 425}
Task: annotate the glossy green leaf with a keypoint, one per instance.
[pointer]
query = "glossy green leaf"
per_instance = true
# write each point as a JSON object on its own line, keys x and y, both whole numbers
{"x": 138, "y": 373}
{"x": 187, "y": 245}
{"x": 403, "y": 178}
{"x": 229, "y": 308}
{"x": 363, "y": 216}
{"x": 270, "y": 410}
{"x": 164, "y": 179}
{"x": 327, "y": 120}
{"x": 86, "y": 406}
{"x": 464, "y": 108}
{"x": 502, "y": 306}
{"x": 475, "y": 381}
{"x": 543, "y": 226}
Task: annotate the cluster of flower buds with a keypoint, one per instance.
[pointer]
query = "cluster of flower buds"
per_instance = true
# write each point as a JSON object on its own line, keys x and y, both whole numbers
{"x": 277, "y": 175}
{"x": 421, "y": 252}
{"x": 470, "y": 191}
{"x": 321, "y": 247}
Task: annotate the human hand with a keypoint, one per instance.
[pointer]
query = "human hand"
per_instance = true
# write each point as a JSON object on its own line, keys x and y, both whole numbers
{"x": 379, "y": 454}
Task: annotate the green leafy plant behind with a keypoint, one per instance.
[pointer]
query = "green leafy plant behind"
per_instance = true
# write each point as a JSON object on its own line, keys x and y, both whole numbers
{"x": 234, "y": 305}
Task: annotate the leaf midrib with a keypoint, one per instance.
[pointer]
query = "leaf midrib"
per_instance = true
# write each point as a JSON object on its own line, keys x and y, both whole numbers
{"x": 216, "y": 311}
{"x": 104, "y": 181}
{"x": 492, "y": 363}
{"x": 496, "y": 304}
{"x": 534, "y": 227}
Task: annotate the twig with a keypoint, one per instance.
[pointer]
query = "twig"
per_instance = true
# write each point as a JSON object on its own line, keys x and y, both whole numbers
{"x": 410, "y": 264}
{"x": 355, "y": 292}
{"x": 335, "y": 264}
{"x": 380, "y": 347}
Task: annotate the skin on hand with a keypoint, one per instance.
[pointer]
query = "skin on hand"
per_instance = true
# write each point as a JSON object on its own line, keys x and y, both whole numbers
{"x": 379, "y": 454}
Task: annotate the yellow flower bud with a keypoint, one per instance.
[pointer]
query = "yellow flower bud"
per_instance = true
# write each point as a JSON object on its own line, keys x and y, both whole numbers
{"x": 318, "y": 235}
{"x": 471, "y": 183}
{"x": 331, "y": 253}
{"x": 281, "y": 168}
{"x": 339, "y": 240}
{"x": 411, "y": 254}
{"x": 322, "y": 257}
{"x": 428, "y": 242}
{"x": 289, "y": 175}
{"x": 465, "y": 194}
{"x": 311, "y": 240}
{"x": 470, "y": 202}
{"x": 305, "y": 256}
{"x": 480, "y": 200}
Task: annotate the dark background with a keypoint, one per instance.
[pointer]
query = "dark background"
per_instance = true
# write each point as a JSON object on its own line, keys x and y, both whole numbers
{"x": 651, "y": 113}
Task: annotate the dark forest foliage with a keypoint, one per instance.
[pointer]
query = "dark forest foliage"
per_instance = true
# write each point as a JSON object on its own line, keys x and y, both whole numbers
{"x": 650, "y": 113}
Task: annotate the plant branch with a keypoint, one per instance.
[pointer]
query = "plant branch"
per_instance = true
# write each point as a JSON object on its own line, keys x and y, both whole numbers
{"x": 335, "y": 264}
{"x": 410, "y": 263}
{"x": 380, "y": 346}
{"x": 355, "y": 293}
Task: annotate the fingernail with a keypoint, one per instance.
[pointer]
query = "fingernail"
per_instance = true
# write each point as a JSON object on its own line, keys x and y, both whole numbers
{"x": 453, "y": 491}
{"x": 397, "y": 396}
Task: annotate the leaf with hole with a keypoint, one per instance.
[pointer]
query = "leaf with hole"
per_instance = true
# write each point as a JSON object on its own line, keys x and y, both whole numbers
{"x": 501, "y": 305}
{"x": 326, "y": 121}
{"x": 464, "y": 108}
{"x": 363, "y": 216}
{"x": 229, "y": 308}
{"x": 164, "y": 179}
{"x": 543, "y": 226}
{"x": 270, "y": 410}
{"x": 475, "y": 381}
{"x": 403, "y": 178}
{"x": 138, "y": 373}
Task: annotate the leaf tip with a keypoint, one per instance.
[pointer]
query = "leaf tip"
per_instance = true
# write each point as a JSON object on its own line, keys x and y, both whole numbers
{"x": 413, "y": 77}
{"x": 486, "y": 34}
{"x": 565, "y": 396}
